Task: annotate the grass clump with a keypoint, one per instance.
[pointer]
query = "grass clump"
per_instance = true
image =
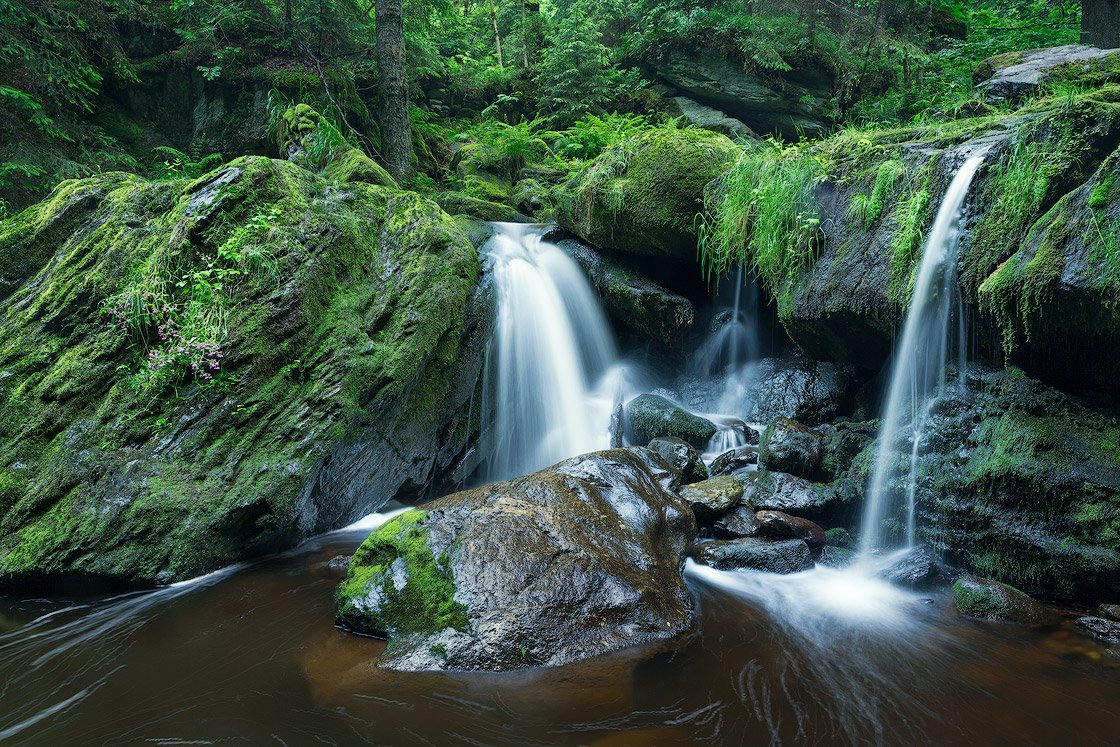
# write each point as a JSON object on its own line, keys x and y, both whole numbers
{"x": 764, "y": 214}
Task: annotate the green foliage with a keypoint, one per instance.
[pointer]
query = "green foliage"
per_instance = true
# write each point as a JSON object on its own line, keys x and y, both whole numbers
{"x": 180, "y": 165}
{"x": 591, "y": 135}
{"x": 505, "y": 148}
{"x": 764, "y": 214}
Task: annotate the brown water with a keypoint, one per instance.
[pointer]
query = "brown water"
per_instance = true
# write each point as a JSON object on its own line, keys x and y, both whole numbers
{"x": 249, "y": 656}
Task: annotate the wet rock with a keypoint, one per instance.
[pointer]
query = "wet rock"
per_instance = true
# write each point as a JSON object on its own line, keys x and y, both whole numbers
{"x": 917, "y": 569}
{"x": 734, "y": 460}
{"x": 808, "y": 391}
{"x": 571, "y": 562}
{"x": 842, "y": 443}
{"x": 782, "y": 525}
{"x": 835, "y": 557}
{"x": 633, "y": 301}
{"x": 1010, "y": 77}
{"x": 1111, "y": 611}
{"x": 713, "y": 497}
{"x": 990, "y": 600}
{"x": 740, "y": 522}
{"x": 789, "y": 446}
{"x": 682, "y": 457}
{"x": 774, "y": 556}
{"x": 778, "y": 491}
{"x": 1101, "y": 629}
{"x": 649, "y": 416}
{"x": 708, "y": 118}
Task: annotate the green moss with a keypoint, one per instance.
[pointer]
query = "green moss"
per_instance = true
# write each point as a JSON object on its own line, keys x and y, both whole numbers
{"x": 354, "y": 166}
{"x": 1102, "y": 192}
{"x": 396, "y": 586}
{"x": 457, "y": 203}
{"x": 978, "y": 601}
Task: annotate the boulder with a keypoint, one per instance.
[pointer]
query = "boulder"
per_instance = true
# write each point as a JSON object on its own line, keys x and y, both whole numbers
{"x": 144, "y": 442}
{"x": 577, "y": 560}
{"x": 784, "y": 526}
{"x": 990, "y": 600}
{"x": 1016, "y": 75}
{"x": 1101, "y": 629}
{"x": 918, "y": 569}
{"x": 842, "y": 443}
{"x": 682, "y": 457}
{"x": 457, "y": 203}
{"x": 1111, "y": 611}
{"x": 740, "y": 522}
{"x": 810, "y": 392}
{"x": 713, "y": 497}
{"x": 643, "y": 195}
{"x": 734, "y": 460}
{"x": 778, "y": 491}
{"x": 649, "y": 416}
{"x": 632, "y": 301}
{"x": 781, "y": 556}
{"x": 789, "y": 446}
{"x": 791, "y": 105}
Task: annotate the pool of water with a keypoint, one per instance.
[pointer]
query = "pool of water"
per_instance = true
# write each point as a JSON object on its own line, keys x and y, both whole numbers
{"x": 250, "y": 656}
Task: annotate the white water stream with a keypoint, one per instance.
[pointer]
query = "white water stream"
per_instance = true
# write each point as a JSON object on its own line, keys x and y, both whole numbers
{"x": 918, "y": 375}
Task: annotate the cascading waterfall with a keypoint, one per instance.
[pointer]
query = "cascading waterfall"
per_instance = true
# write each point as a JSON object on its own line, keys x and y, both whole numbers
{"x": 918, "y": 376}
{"x": 552, "y": 373}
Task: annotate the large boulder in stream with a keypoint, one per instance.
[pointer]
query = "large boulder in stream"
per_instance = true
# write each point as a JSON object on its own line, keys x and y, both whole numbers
{"x": 650, "y": 416}
{"x": 574, "y": 561}
{"x": 195, "y": 372}
{"x": 985, "y": 599}
{"x": 642, "y": 196}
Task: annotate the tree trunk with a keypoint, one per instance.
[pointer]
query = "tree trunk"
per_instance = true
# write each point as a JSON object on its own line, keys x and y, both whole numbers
{"x": 497, "y": 35}
{"x": 1100, "y": 23}
{"x": 396, "y": 140}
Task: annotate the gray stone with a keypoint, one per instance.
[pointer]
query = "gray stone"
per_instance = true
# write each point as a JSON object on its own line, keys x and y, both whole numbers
{"x": 682, "y": 457}
{"x": 782, "y": 556}
{"x": 713, "y": 498}
{"x": 789, "y": 446}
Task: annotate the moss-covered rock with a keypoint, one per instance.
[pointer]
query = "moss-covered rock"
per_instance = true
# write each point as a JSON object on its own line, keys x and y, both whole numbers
{"x": 990, "y": 600}
{"x": 643, "y": 195}
{"x": 1020, "y": 483}
{"x": 649, "y": 416}
{"x": 571, "y": 562}
{"x": 197, "y": 372}
{"x": 1012, "y": 76}
{"x": 457, "y": 203}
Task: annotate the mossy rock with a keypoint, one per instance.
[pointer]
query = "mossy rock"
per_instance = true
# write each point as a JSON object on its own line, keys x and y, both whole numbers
{"x": 457, "y": 203}
{"x": 990, "y": 600}
{"x": 575, "y": 561}
{"x": 354, "y": 166}
{"x": 144, "y": 441}
{"x": 649, "y": 416}
{"x": 643, "y": 195}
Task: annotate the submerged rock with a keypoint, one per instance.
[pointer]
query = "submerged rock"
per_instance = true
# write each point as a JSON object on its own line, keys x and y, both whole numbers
{"x": 649, "y": 416}
{"x": 990, "y": 600}
{"x": 773, "y": 556}
{"x": 789, "y": 446}
{"x": 712, "y": 498}
{"x": 642, "y": 196}
{"x": 1101, "y": 629}
{"x": 682, "y": 457}
{"x": 574, "y": 561}
{"x": 196, "y": 372}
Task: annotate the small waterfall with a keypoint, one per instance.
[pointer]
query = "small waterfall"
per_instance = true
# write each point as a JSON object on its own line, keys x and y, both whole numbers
{"x": 551, "y": 374}
{"x": 918, "y": 375}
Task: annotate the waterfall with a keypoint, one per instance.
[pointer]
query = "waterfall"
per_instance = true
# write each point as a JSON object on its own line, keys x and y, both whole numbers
{"x": 551, "y": 375}
{"x": 918, "y": 375}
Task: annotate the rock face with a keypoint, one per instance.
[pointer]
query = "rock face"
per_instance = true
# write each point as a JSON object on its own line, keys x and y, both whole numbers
{"x": 789, "y": 446}
{"x": 1013, "y": 76}
{"x": 642, "y": 197}
{"x": 713, "y": 119}
{"x": 634, "y": 302}
{"x": 991, "y": 600}
{"x": 1018, "y": 482}
{"x": 783, "y": 556}
{"x": 196, "y": 372}
{"x": 790, "y": 107}
{"x": 571, "y": 562}
{"x": 649, "y": 416}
